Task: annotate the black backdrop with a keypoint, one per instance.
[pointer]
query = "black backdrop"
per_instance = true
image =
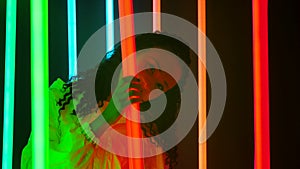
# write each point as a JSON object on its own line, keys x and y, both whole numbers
{"x": 229, "y": 29}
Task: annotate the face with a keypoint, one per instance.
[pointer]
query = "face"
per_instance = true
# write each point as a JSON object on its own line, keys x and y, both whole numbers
{"x": 153, "y": 77}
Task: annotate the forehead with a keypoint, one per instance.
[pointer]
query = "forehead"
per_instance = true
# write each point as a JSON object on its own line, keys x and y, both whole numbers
{"x": 159, "y": 59}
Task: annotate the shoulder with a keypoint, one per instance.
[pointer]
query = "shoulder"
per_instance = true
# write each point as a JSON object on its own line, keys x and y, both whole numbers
{"x": 58, "y": 83}
{"x": 57, "y": 89}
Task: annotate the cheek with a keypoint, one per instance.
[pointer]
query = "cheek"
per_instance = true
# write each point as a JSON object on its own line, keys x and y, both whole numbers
{"x": 147, "y": 87}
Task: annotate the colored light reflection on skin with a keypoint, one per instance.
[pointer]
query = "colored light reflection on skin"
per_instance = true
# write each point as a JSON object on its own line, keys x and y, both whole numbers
{"x": 128, "y": 47}
{"x": 109, "y": 4}
{"x": 39, "y": 83}
{"x": 202, "y": 149}
{"x": 9, "y": 84}
{"x": 72, "y": 40}
{"x": 261, "y": 84}
{"x": 156, "y": 15}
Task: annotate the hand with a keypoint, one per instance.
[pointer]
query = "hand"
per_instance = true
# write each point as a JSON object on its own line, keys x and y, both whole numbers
{"x": 128, "y": 91}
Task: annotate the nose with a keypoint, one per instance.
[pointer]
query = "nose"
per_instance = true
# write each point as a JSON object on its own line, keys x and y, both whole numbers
{"x": 144, "y": 83}
{"x": 145, "y": 86}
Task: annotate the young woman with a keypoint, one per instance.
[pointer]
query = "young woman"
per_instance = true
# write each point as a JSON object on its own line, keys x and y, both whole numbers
{"x": 73, "y": 145}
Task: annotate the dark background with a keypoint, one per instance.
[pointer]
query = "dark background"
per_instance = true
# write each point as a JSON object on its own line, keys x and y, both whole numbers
{"x": 229, "y": 28}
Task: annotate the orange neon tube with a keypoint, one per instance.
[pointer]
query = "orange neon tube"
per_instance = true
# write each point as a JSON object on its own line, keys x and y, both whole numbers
{"x": 128, "y": 48}
{"x": 202, "y": 81}
{"x": 156, "y": 16}
{"x": 261, "y": 84}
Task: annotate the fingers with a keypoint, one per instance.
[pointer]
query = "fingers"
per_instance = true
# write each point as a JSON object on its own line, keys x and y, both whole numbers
{"x": 132, "y": 95}
{"x": 128, "y": 91}
{"x": 135, "y": 87}
{"x": 128, "y": 84}
{"x": 129, "y": 98}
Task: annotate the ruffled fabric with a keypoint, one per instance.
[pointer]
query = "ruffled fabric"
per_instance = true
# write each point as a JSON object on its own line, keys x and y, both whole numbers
{"x": 72, "y": 143}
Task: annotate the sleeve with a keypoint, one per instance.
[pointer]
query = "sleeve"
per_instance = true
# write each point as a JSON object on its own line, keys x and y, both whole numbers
{"x": 26, "y": 157}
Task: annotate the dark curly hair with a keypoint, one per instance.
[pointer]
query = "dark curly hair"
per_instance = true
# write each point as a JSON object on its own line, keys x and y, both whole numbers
{"x": 107, "y": 67}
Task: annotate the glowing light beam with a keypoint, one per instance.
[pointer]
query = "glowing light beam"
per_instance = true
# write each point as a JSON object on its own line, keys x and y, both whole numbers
{"x": 261, "y": 84}
{"x": 110, "y": 26}
{"x": 202, "y": 149}
{"x": 72, "y": 38}
{"x": 39, "y": 83}
{"x": 128, "y": 48}
{"x": 9, "y": 84}
{"x": 156, "y": 15}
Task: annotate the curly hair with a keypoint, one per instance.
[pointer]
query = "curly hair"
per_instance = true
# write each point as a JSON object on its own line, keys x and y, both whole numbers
{"x": 107, "y": 67}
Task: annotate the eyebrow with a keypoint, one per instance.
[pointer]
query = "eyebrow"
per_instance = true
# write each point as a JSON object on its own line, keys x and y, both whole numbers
{"x": 157, "y": 64}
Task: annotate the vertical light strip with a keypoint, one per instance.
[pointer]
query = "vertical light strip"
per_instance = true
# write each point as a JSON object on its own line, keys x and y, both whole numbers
{"x": 9, "y": 84}
{"x": 261, "y": 84}
{"x": 72, "y": 38}
{"x": 109, "y": 25}
{"x": 202, "y": 81}
{"x": 128, "y": 48}
{"x": 39, "y": 83}
{"x": 156, "y": 15}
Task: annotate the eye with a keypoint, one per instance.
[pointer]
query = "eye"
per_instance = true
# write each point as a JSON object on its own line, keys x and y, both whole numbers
{"x": 159, "y": 86}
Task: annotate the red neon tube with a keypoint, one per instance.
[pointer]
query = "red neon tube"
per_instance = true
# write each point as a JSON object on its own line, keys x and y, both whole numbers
{"x": 128, "y": 48}
{"x": 261, "y": 84}
{"x": 156, "y": 15}
{"x": 202, "y": 147}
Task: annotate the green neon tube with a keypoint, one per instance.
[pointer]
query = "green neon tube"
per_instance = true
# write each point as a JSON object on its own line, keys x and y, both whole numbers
{"x": 39, "y": 83}
{"x": 9, "y": 84}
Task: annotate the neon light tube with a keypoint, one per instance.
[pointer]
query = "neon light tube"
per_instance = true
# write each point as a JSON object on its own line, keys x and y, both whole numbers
{"x": 128, "y": 47}
{"x": 261, "y": 84}
{"x": 156, "y": 15}
{"x": 110, "y": 26}
{"x": 202, "y": 149}
{"x": 39, "y": 83}
{"x": 72, "y": 40}
{"x": 9, "y": 84}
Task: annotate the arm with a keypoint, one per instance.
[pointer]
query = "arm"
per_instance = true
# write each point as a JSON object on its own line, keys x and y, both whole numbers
{"x": 108, "y": 117}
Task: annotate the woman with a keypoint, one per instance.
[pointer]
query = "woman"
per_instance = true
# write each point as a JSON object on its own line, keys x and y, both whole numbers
{"x": 73, "y": 145}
